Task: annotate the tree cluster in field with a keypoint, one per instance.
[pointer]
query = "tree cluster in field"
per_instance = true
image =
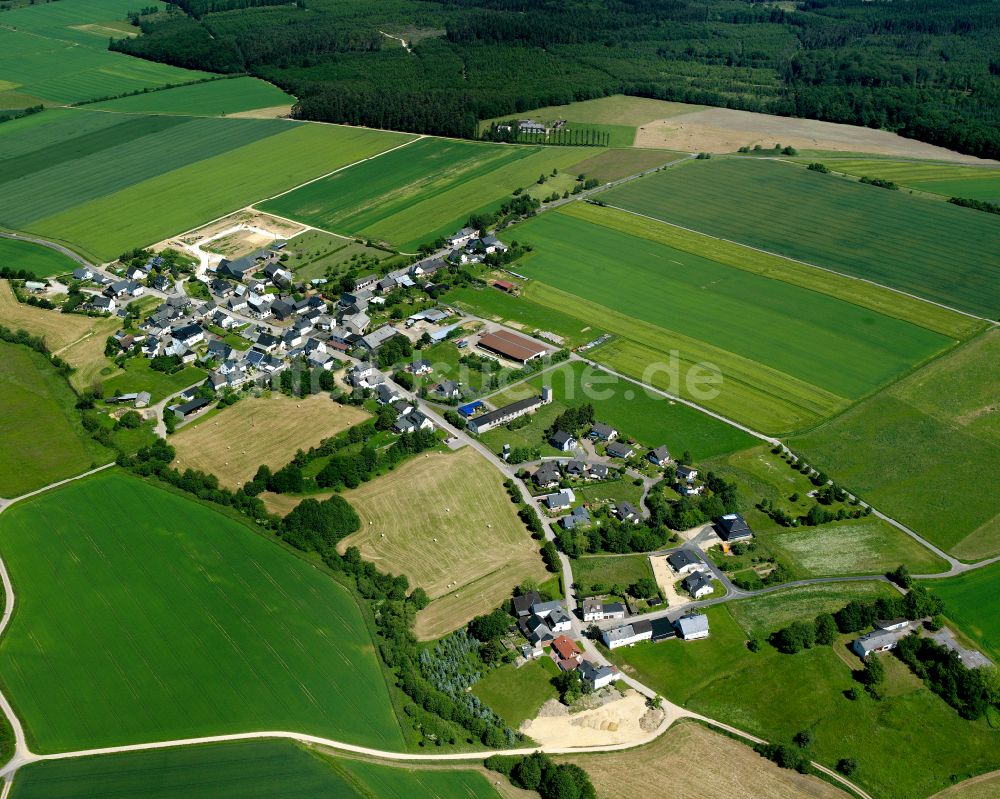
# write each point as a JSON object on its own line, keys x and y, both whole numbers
{"x": 880, "y": 183}
{"x": 572, "y": 420}
{"x": 816, "y": 166}
{"x": 970, "y": 691}
{"x": 539, "y": 772}
{"x": 759, "y": 148}
{"x": 978, "y": 205}
{"x": 611, "y": 535}
{"x": 316, "y": 526}
{"x": 31, "y": 299}
{"x": 393, "y": 350}
{"x": 37, "y": 343}
{"x": 527, "y": 514}
{"x": 19, "y": 113}
{"x": 827, "y": 493}
{"x": 721, "y": 498}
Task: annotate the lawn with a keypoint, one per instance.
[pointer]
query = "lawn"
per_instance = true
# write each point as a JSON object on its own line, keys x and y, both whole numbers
{"x": 139, "y": 376}
{"x": 175, "y": 621}
{"x": 58, "y": 53}
{"x": 935, "y": 250}
{"x": 973, "y": 602}
{"x": 908, "y": 745}
{"x": 925, "y": 451}
{"x": 857, "y": 546}
{"x": 516, "y": 694}
{"x": 612, "y": 491}
{"x": 948, "y": 180}
{"x": 446, "y": 522}
{"x": 650, "y": 419}
{"x": 236, "y": 771}
{"x": 313, "y": 254}
{"x": 420, "y": 192}
{"x": 78, "y": 181}
{"x": 215, "y": 98}
{"x": 40, "y": 431}
{"x": 40, "y": 261}
{"x": 610, "y": 570}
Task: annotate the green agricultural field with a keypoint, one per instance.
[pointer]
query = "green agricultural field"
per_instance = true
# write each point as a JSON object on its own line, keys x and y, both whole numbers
{"x": 795, "y": 354}
{"x": 175, "y": 621}
{"x": 517, "y": 693}
{"x": 908, "y": 745}
{"x": 973, "y": 602}
{"x": 214, "y": 99}
{"x": 856, "y": 546}
{"x": 649, "y": 419}
{"x": 40, "y": 261}
{"x": 239, "y": 770}
{"x": 935, "y": 250}
{"x": 78, "y": 190}
{"x": 610, "y": 570}
{"x": 422, "y": 191}
{"x": 138, "y": 376}
{"x": 58, "y": 53}
{"x": 925, "y": 450}
{"x": 315, "y": 254}
{"x": 41, "y": 436}
{"x": 948, "y": 180}
{"x": 616, "y": 164}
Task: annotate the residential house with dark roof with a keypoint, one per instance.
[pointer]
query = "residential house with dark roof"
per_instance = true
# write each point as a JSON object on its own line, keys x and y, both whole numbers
{"x": 682, "y": 562}
{"x": 732, "y": 527}
{"x": 659, "y": 457}
{"x": 546, "y": 475}
{"x": 698, "y": 584}
{"x": 616, "y": 449}
{"x": 562, "y": 441}
{"x": 603, "y": 432}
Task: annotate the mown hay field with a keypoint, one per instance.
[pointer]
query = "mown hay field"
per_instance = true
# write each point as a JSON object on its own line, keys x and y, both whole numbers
{"x": 926, "y": 450}
{"x": 735, "y": 770}
{"x": 935, "y": 250}
{"x": 41, "y": 437}
{"x": 214, "y": 98}
{"x": 268, "y": 429}
{"x": 175, "y": 621}
{"x": 81, "y": 180}
{"x": 238, "y": 770}
{"x": 40, "y": 261}
{"x": 422, "y": 191}
{"x": 788, "y": 356}
{"x": 446, "y": 522}
{"x": 58, "y": 53}
{"x": 948, "y": 180}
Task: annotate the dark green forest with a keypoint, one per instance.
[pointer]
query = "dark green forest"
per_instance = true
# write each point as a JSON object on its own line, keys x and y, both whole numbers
{"x": 927, "y": 69}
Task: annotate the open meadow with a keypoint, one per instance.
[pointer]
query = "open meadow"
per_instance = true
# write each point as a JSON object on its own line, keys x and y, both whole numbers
{"x": 610, "y": 571}
{"x": 263, "y": 769}
{"x": 446, "y": 522}
{"x": 78, "y": 176}
{"x": 41, "y": 437}
{"x": 172, "y": 620}
{"x": 935, "y": 250}
{"x": 516, "y": 693}
{"x": 40, "y": 261}
{"x": 734, "y": 770}
{"x": 788, "y": 356}
{"x": 972, "y": 601}
{"x": 313, "y": 254}
{"x": 910, "y": 744}
{"x": 58, "y": 53}
{"x": 948, "y": 180}
{"x": 215, "y": 98}
{"x": 268, "y": 429}
{"x": 138, "y": 376}
{"x": 925, "y": 450}
{"x": 422, "y": 191}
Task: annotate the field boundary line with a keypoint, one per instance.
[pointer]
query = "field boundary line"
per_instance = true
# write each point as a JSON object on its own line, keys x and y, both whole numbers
{"x": 941, "y": 305}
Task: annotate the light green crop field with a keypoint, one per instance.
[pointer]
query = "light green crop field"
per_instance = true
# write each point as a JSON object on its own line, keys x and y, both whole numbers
{"x": 973, "y": 602}
{"x": 82, "y": 186}
{"x": 935, "y": 250}
{"x": 175, "y": 621}
{"x": 420, "y": 192}
{"x": 767, "y": 337}
{"x": 259, "y": 769}
{"x": 517, "y": 693}
{"x": 948, "y": 180}
{"x": 910, "y": 744}
{"x": 41, "y": 437}
{"x": 40, "y": 261}
{"x": 58, "y": 53}
{"x": 214, "y": 98}
{"x": 648, "y": 418}
{"x": 926, "y": 451}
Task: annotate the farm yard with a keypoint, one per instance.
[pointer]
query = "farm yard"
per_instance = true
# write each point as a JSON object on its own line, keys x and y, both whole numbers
{"x": 239, "y": 770}
{"x": 909, "y": 744}
{"x": 822, "y": 218}
{"x": 58, "y": 53}
{"x": 175, "y": 621}
{"x": 446, "y": 522}
{"x": 938, "y": 427}
{"x": 259, "y": 430}
{"x": 80, "y": 180}
{"x": 736, "y": 770}
{"x": 41, "y": 436}
{"x": 40, "y": 261}
{"x": 422, "y": 191}
{"x": 789, "y": 357}
{"x": 948, "y": 180}
{"x": 215, "y": 98}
